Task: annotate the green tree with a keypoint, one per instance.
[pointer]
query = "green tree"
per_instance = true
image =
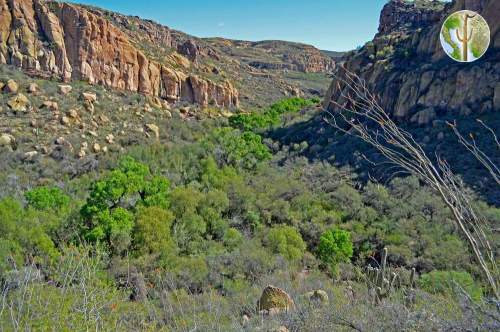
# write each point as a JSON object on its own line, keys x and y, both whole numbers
{"x": 108, "y": 211}
{"x": 335, "y": 246}
{"x": 47, "y": 198}
{"x": 152, "y": 233}
{"x": 286, "y": 241}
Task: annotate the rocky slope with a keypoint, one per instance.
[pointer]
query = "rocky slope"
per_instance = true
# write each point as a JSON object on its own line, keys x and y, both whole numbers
{"x": 276, "y": 55}
{"x": 73, "y": 43}
{"x": 413, "y": 77}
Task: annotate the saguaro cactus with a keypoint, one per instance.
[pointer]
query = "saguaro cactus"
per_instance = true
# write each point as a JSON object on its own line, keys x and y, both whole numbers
{"x": 383, "y": 280}
{"x": 466, "y": 36}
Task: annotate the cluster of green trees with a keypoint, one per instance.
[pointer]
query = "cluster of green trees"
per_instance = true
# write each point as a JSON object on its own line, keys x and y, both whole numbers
{"x": 272, "y": 115}
{"x": 222, "y": 212}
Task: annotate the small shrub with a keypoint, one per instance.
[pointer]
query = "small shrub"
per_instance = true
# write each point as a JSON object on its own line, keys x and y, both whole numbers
{"x": 445, "y": 282}
{"x": 286, "y": 241}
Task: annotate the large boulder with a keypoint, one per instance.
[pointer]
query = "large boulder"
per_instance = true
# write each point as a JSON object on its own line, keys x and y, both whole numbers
{"x": 6, "y": 140}
{"x": 11, "y": 86}
{"x": 18, "y": 103}
{"x": 274, "y": 300}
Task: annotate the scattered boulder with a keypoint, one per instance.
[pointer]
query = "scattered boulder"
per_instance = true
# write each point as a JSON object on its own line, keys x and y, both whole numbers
{"x": 96, "y": 147}
{"x": 89, "y": 106}
{"x": 51, "y": 105}
{"x": 65, "y": 120}
{"x": 33, "y": 88}
{"x": 72, "y": 113}
{"x": 154, "y": 129}
{"x": 81, "y": 154}
{"x": 89, "y": 97}
{"x": 274, "y": 300}
{"x": 317, "y": 297}
{"x": 65, "y": 89}
{"x": 110, "y": 138}
{"x": 11, "y": 86}
{"x": 30, "y": 156}
{"x": 6, "y": 140}
{"x": 18, "y": 103}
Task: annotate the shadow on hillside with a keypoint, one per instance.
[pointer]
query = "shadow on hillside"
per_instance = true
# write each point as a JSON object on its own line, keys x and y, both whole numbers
{"x": 326, "y": 143}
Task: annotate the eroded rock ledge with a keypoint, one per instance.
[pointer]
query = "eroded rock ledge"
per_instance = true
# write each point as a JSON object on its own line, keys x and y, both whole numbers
{"x": 72, "y": 43}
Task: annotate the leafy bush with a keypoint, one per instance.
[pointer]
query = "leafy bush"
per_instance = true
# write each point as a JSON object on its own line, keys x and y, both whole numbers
{"x": 107, "y": 212}
{"x": 445, "y": 282}
{"x": 47, "y": 198}
{"x": 241, "y": 149}
{"x": 270, "y": 116}
{"x": 335, "y": 246}
{"x": 286, "y": 241}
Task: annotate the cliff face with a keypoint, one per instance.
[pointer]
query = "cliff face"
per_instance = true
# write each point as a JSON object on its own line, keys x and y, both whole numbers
{"x": 73, "y": 43}
{"x": 413, "y": 77}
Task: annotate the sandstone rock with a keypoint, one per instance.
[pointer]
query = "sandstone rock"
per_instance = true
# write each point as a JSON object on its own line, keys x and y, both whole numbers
{"x": 317, "y": 296}
{"x": 190, "y": 50}
{"x": 2, "y": 84}
{"x": 274, "y": 299}
{"x": 93, "y": 133}
{"x": 89, "y": 97}
{"x": 105, "y": 149}
{"x": 33, "y": 88}
{"x": 180, "y": 60}
{"x": 72, "y": 113}
{"x": 89, "y": 106}
{"x": 110, "y": 138}
{"x": 6, "y": 140}
{"x": 61, "y": 141}
{"x": 154, "y": 129}
{"x": 102, "y": 119}
{"x": 96, "y": 147}
{"x": 101, "y": 53}
{"x": 30, "y": 156}
{"x": 81, "y": 154}
{"x": 282, "y": 329}
{"x": 11, "y": 86}
{"x": 65, "y": 121}
{"x": 18, "y": 103}
{"x": 65, "y": 89}
{"x": 51, "y": 105}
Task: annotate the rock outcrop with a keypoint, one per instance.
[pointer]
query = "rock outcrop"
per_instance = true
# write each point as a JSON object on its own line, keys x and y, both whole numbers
{"x": 71, "y": 42}
{"x": 274, "y": 300}
{"x": 407, "y": 69}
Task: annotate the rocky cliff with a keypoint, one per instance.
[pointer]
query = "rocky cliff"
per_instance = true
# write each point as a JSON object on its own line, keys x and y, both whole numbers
{"x": 75, "y": 43}
{"x": 413, "y": 77}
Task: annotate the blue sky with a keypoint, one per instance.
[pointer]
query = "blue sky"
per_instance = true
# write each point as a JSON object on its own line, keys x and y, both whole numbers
{"x": 336, "y": 25}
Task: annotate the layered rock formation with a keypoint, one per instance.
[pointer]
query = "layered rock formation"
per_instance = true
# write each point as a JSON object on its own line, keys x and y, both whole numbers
{"x": 413, "y": 77}
{"x": 277, "y": 55}
{"x": 73, "y": 43}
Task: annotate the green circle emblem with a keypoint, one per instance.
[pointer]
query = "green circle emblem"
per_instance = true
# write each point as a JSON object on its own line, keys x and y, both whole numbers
{"x": 465, "y": 36}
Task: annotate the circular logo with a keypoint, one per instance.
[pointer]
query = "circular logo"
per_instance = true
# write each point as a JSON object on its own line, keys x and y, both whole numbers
{"x": 465, "y": 36}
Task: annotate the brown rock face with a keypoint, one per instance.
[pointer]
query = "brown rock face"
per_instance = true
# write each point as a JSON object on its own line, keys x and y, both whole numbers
{"x": 73, "y": 43}
{"x": 414, "y": 79}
